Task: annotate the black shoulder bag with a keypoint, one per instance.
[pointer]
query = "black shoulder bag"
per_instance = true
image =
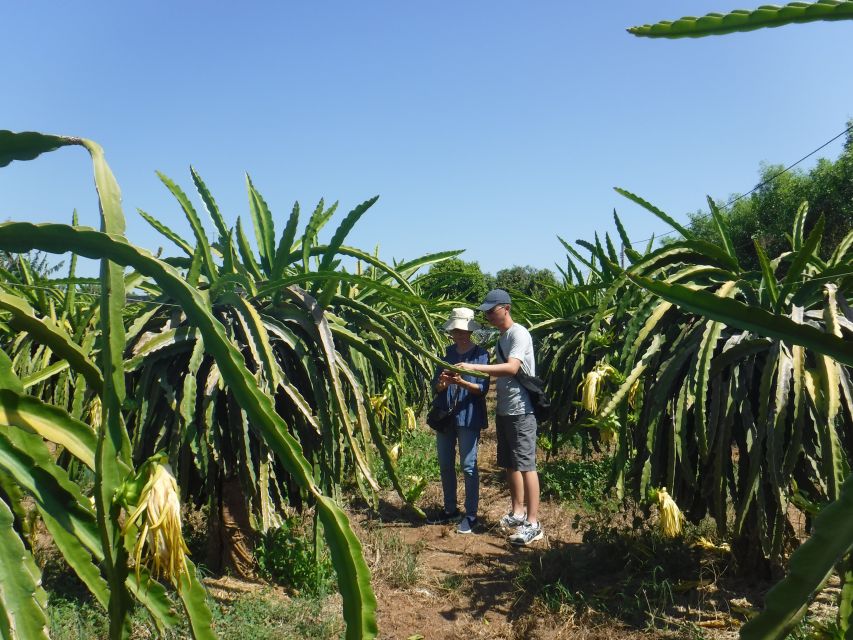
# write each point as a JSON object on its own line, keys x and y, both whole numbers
{"x": 535, "y": 389}
{"x": 443, "y": 420}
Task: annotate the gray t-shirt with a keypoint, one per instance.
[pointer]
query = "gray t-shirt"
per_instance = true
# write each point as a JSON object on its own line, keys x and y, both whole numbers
{"x": 513, "y": 399}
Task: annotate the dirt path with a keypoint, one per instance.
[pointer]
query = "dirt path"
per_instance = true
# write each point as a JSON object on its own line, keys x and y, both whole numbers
{"x": 432, "y": 583}
{"x": 467, "y": 585}
{"x": 470, "y": 586}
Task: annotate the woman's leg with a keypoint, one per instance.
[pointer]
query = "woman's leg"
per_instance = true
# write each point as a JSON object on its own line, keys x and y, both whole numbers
{"x": 446, "y": 447}
{"x": 468, "y": 443}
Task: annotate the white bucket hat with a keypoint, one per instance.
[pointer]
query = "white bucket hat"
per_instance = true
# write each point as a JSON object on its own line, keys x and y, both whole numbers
{"x": 462, "y": 318}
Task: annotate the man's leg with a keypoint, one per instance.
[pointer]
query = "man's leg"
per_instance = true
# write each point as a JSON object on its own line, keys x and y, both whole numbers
{"x": 530, "y": 482}
{"x": 504, "y": 431}
{"x": 524, "y": 454}
{"x": 516, "y": 491}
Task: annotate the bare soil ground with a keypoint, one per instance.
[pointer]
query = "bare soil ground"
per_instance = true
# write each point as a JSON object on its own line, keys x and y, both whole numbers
{"x": 433, "y": 583}
{"x": 467, "y": 585}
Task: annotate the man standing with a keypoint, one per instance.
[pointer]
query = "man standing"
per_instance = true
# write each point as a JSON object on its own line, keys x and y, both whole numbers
{"x": 515, "y": 424}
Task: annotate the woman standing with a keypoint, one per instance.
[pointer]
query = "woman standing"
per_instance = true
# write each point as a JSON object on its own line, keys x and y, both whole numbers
{"x": 466, "y": 395}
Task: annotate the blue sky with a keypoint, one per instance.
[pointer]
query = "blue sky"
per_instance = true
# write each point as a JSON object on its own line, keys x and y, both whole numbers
{"x": 489, "y": 126}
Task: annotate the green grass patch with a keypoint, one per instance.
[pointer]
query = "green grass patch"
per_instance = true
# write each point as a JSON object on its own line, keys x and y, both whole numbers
{"x": 417, "y": 458}
{"x": 625, "y": 569}
{"x": 259, "y": 615}
{"x": 73, "y": 620}
{"x": 582, "y": 482}
{"x": 288, "y": 556}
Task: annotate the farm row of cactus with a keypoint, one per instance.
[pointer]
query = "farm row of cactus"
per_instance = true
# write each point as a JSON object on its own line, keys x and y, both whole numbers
{"x": 270, "y": 379}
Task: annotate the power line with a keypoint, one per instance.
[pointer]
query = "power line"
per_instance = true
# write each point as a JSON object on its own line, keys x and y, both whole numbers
{"x": 756, "y": 187}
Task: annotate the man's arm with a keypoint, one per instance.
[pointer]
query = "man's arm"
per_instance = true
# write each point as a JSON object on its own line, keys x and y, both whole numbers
{"x": 502, "y": 370}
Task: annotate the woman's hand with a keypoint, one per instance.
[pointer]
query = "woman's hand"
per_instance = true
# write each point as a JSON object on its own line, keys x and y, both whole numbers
{"x": 444, "y": 379}
{"x": 472, "y": 387}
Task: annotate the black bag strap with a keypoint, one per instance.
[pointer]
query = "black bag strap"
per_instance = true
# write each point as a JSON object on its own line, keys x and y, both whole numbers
{"x": 454, "y": 397}
{"x": 501, "y": 351}
{"x": 530, "y": 383}
{"x": 453, "y": 405}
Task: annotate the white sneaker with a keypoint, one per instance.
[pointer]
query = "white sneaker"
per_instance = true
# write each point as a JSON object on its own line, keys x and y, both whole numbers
{"x": 511, "y": 522}
{"x": 526, "y": 534}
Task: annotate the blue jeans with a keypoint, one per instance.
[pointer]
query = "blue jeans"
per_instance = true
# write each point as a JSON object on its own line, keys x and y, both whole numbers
{"x": 468, "y": 439}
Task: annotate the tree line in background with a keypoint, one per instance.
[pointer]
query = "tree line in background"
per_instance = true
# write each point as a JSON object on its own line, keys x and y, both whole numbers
{"x": 767, "y": 213}
{"x": 460, "y": 280}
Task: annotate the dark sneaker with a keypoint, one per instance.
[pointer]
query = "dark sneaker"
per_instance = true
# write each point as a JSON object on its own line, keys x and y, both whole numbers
{"x": 526, "y": 534}
{"x": 467, "y": 525}
{"x": 511, "y": 522}
{"x": 442, "y": 517}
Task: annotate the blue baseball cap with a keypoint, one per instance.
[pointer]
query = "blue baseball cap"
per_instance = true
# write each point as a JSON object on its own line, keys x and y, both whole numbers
{"x": 494, "y": 298}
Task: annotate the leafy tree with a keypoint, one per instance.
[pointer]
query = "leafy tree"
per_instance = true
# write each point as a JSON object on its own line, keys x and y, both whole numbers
{"x": 456, "y": 279}
{"x": 768, "y": 214}
{"x": 526, "y": 280}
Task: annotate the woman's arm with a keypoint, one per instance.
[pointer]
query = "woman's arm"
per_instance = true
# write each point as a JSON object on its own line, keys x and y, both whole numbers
{"x": 483, "y": 358}
{"x": 477, "y": 386}
{"x": 440, "y": 380}
{"x": 472, "y": 387}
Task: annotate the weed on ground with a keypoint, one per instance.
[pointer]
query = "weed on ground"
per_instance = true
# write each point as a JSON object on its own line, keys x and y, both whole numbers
{"x": 290, "y": 556}
{"x": 581, "y": 482}
{"x": 391, "y": 560}
{"x": 260, "y": 615}
{"x": 417, "y": 463}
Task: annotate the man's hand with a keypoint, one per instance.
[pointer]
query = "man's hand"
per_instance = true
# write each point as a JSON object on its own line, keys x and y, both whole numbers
{"x": 467, "y": 366}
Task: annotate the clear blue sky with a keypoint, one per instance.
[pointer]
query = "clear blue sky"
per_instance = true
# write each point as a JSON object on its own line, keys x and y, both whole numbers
{"x": 488, "y": 126}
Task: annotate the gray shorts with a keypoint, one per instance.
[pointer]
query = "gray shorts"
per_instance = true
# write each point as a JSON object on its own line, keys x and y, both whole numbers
{"x": 516, "y": 442}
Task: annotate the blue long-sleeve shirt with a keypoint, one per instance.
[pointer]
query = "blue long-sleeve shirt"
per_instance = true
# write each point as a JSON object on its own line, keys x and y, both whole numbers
{"x": 471, "y": 409}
